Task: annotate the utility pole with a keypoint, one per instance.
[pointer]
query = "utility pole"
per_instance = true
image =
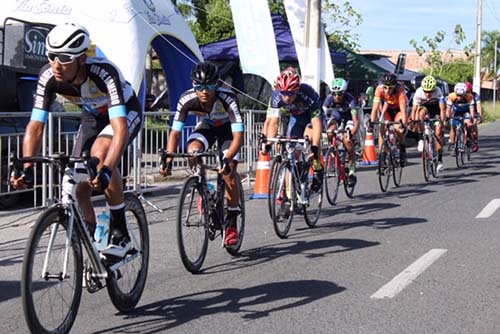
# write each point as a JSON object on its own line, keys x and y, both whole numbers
{"x": 477, "y": 68}
{"x": 495, "y": 78}
{"x": 312, "y": 26}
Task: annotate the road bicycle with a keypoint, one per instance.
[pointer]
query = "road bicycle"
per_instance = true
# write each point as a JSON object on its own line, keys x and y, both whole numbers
{"x": 463, "y": 143}
{"x": 293, "y": 190}
{"x": 201, "y": 215}
{"x": 389, "y": 163}
{"x": 336, "y": 166}
{"x": 55, "y": 269}
{"x": 429, "y": 150}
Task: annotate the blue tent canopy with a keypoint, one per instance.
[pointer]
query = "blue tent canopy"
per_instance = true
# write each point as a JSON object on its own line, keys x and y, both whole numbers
{"x": 227, "y": 49}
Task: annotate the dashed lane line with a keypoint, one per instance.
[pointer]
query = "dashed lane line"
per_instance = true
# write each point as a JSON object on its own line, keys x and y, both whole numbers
{"x": 398, "y": 283}
{"x": 489, "y": 209}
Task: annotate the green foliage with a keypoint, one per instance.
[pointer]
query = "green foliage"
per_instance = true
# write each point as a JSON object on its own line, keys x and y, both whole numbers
{"x": 429, "y": 48}
{"x": 488, "y": 50}
{"x": 457, "y": 71}
{"x": 341, "y": 20}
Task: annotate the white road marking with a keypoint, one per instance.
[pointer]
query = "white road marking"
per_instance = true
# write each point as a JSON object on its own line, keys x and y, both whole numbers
{"x": 398, "y": 283}
{"x": 489, "y": 209}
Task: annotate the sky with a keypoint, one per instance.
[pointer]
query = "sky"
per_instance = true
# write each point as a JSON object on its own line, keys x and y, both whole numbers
{"x": 391, "y": 24}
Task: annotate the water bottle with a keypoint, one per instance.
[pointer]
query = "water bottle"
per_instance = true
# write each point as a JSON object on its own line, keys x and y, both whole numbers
{"x": 101, "y": 235}
{"x": 211, "y": 191}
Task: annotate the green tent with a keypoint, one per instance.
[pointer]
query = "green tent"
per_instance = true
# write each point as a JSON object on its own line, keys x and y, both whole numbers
{"x": 358, "y": 67}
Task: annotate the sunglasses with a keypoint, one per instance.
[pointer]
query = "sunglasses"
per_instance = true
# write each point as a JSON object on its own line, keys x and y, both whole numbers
{"x": 388, "y": 87}
{"x": 428, "y": 91}
{"x": 202, "y": 87}
{"x": 338, "y": 93}
{"x": 288, "y": 92}
{"x": 62, "y": 58}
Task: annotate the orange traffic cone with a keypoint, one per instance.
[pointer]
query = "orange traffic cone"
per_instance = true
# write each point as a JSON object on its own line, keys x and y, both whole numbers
{"x": 260, "y": 189}
{"x": 369, "y": 153}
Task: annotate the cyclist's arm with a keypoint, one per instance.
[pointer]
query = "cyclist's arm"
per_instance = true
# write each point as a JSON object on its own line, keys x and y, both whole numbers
{"x": 403, "y": 102}
{"x": 32, "y": 141}
{"x": 377, "y": 100}
{"x": 271, "y": 123}
{"x": 235, "y": 146}
{"x": 317, "y": 126}
{"x": 355, "y": 119}
{"x": 118, "y": 142}
{"x": 442, "y": 109}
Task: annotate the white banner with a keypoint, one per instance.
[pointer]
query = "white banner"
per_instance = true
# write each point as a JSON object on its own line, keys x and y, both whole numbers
{"x": 255, "y": 38}
{"x": 295, "y": 11}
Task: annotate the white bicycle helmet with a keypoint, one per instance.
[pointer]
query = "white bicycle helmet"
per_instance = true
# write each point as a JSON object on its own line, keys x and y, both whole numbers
{"x": 70, "y": 38}
{"x": 460, "y": 88}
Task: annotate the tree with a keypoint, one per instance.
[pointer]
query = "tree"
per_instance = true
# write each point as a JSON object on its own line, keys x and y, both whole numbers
{"x": 488, "y": 50}
{"x": 342, "y": 19}
{"x": 430, "y": 52}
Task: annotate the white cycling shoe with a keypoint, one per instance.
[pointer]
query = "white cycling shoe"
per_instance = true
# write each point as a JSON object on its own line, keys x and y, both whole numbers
{"x": 117, "y": 248}
{"x": 440, "y": 167}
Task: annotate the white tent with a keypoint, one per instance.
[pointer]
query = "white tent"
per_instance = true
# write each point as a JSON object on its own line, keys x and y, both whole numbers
{"x": 122, "y": 30}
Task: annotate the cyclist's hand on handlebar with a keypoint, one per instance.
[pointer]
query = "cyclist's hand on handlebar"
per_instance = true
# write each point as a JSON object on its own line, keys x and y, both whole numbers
{"x": 226, "y": 167}
{"x": 22, "y": 179}
{"x": 165, "y": 166}
{"x": 102, "y": 179}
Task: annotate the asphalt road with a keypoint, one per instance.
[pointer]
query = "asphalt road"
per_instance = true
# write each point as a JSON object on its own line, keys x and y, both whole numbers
{"x": 416, "y": 259}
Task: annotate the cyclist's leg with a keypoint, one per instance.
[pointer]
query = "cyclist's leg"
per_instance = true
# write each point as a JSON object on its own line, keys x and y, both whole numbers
{"x": 87, "y": 133}
{"x": 225, "y": 138}
{"x": 101, "y": 148}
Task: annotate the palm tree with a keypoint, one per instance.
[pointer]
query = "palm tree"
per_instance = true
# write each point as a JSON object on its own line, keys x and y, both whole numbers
{"x": 488, "y": 50}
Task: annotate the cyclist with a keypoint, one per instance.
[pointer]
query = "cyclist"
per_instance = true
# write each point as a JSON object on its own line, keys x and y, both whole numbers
{"x": 342, "y": 108}
{"x": 428, "y": 101}
{"x": 111, "y": 118}
{"x": 300, "y": 106}
{"x": 459, "y": 104}
{"x": 479, "y": 112}
{"x": 393, "y": 95}
{"x": 219, "y": 119}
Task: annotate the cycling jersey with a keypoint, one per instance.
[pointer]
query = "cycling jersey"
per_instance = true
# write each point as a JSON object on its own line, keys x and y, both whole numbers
{"x": 225, "y": 110}
{"x": 431, "y": 103}
{"x": 306, "y": 106}
{"x": 217, "y": 124}
{"x": 342, "y": 111}
{"x": 397, "y": 99}
{"x": 104, "y": 93}
{"x": 460, "y": 106}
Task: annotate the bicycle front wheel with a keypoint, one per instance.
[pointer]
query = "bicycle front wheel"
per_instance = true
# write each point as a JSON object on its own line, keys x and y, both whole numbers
{"x": 426, "y": 160}
{"x": 459, "y": 148}
{"x": 283, "y": 199}
{"x": 384, "y": 168}
{"x": 51, "y": 301}
{"x": 312, "y": 209}
{"x": 275, "y": 164}
{"x": 240, "y": 220}
{"x": 192, "y": 230}
{"x": 332, "y": 176}
{"x": 397, "y": 169}
{"x": 126, "y": 284}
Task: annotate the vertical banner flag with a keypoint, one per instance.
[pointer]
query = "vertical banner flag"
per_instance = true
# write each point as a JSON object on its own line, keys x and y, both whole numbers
{"x": 295, "y": 11}
{"x": 255, "y": 38}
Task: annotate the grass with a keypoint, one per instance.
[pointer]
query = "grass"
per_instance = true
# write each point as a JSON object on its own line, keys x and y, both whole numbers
{"x": 489, "y": 113}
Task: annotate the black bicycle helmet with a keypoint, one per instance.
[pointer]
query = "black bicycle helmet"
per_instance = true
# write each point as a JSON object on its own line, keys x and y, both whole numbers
{"x": 388, "y": 79}
{"x": 205, "y": 73}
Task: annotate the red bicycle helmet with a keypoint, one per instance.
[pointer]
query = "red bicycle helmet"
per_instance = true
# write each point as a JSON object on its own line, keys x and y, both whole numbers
{"x": 288, "y": 80}
{"x": 468, "y": 87}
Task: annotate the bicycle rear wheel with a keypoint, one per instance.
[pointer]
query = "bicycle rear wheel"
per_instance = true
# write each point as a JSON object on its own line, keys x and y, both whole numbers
{"x": 126, "y": 284}
{"x": 240, "y": 221}
{"x": 192, "y": 230}
{"x": 50, "y": 301}
{"x": 312, "y": 210}
{"x": 384, "y": 168}
{"x": 332, "y": 176}
{"x": 459, "y": 148}
{"x": 275, "y": 163}
{"x": 283, "y": 199}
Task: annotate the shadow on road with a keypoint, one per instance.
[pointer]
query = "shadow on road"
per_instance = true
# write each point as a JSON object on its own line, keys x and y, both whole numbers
{"x": 249, "y": 303}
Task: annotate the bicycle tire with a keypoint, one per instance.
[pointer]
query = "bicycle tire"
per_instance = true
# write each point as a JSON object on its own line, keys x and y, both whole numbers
{"x": 34, "y": 294}
{"x": 397, "y": 169}
{"x": 312, "y": 211}
{"x": 284, "y": 200}
{"x": 126, "y": 285}
{"x": 434, "y": 151}
{"x": 332, "y": 176}
{"x": 240, "y": 221}
{"x": 426, "y": 159}
{"x": 275, "y": 163}
{"x": 349, "y": 189}
{"x": 384, "y": 168}
{"x": 192, "y": 193}
{"x": 459, "y": 144}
